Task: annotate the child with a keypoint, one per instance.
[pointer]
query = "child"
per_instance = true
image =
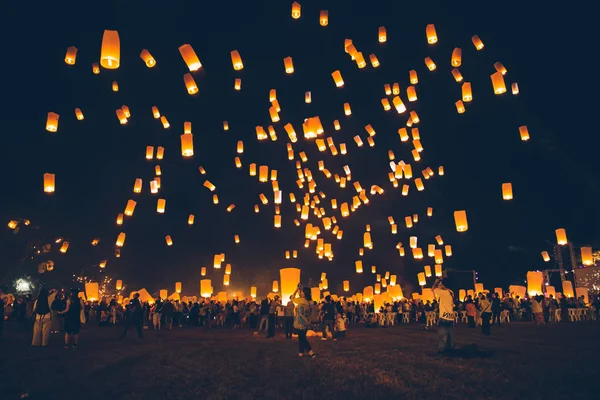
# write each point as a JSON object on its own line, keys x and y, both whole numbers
{"x": 340, "y": 326}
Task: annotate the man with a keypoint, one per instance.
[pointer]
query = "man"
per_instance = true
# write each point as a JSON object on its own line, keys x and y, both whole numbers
{"x": 495, "y": 309}
{"x": 264, "y": 315}
{"x": 271, "y": 319}
{"x": 135, "y": 316}
{"x": 445, "y": 299}
{"x": 328, "y": 314}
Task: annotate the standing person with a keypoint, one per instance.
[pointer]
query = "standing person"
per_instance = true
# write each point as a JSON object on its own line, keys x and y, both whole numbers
{"x": 272, "y": 312}
{"x": 340, "y": 326}
{"x": 72, "y": 315}
{"x": 289, "y": 318}
{"x": 328, "y": 313}
{"x": 41, "y": 313}
{"x": 537, "y": 310}
{"x": 167, "y": 311}
{"x": 485, "y": 306}
{"x": 495, "y": 309}
{"x": 157, "y": 314}
{"x": 471, "y": 312}
{"x": 445, "y": 298}
{"x": 135, "y": 316}
{"x": 264, "y": 315}
{"x": 302, "y": 320}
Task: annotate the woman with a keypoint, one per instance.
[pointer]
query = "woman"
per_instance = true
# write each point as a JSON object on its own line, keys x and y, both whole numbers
{"x": 72, "y": 320}
{"x": 302, "y": 320}
{"x": 41, "y": 312}
{"x": 485, "y": 306}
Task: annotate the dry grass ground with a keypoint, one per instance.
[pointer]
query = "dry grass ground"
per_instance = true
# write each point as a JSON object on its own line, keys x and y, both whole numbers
{"x": 519, "y": 361}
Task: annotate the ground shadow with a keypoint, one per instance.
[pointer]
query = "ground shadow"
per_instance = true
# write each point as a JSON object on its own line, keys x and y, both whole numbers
{"x": 468, "y": 352}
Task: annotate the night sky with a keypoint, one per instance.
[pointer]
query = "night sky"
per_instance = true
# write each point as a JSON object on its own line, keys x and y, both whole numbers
{"x": 96, "y": 161}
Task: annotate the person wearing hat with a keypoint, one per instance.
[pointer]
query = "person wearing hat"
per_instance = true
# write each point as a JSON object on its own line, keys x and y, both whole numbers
{"x": 271, "y": 321}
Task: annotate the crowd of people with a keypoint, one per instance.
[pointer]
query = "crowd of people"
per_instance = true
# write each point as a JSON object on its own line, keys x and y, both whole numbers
{"x": 54, "y": 312}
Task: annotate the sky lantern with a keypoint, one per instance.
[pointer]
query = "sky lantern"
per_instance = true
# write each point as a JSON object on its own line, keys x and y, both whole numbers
{"x": 110, "y": 52}
{"x": 422, "y": 279}
{"x": 374, "y": 60}
{"x": 49, "y": 185}
{"x": 155, "y": 112}
{"x": 52, "y": 122}
{"x": 307, "y": 97}
{"x": 337, "y": 78}
{"x": 430, "y": 64}
{"x": 431, "y": 34}
{"x": 427, "y": 270}
{"x": 64, "y": 247}
{"x": 126, "y": 111}
{"x": 228, "y": 269}
{"x": 178, "y": 287}
{"x": 515, "y": 88}
{"x": 191, "y": 219}
{"x": 236, "y": 60}
{"x": 253, "y": 292}
{"x": 206, "y": 288}
{"x": 209, "y": 185}
{"x": 120, "y": 239}
{"x": 289, "y": 278}
{"x": 477, "y": 42}
{"x": 448, "y": 250}
{"x": 524, "y": 133}
{"x": 411, "y": 93}
{"x": 535, "y": 281}
{"x": 457, "y": 75}
{"x": 359, "y": 266}
{"x": 456, "y": 59}
{"x": 71, "y": 55}
{"x": 119, "y": 284}
{"x": 507, "y": 192}
{"x": 187, "y": 145}
{"x": 296, "y": 10}
{"x": 438, "y": 270}
{"x": 460, "y": 107}
{"x": 346, "y": 286}
{"x": 130, "y": 208}
{"x": 275, "y": 287}
{"x": 460, "y": 219}
{"x": 121, "y": 116}
{"x": 498, "y": 83}
{"x": 587, "y": 258}
{"x": 414, "y": 78}
{"x": 147, "y": 58}
{"x": 161, "y": 205}
{"x": 149, "y": 152}
{"x": 289, "y": 65}
{"x": 95, "y": 68}
{"x": 382, "y": 34}
{"x": 189, "y": 56}
{"x": 500, "y": 68}
{"x": 190, "y": 84}
{"x": 561, "y": 236}
{"x": 203, "y": 271}
{"x": 398, "y": 104}
{"x": 567, "y": 289}
{"x": 324, "y": 18}
{"x": 467, "y": 94}
{"x": 545, "y": 256}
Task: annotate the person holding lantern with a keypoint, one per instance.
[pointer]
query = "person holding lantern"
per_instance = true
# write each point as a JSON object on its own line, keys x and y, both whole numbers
{"x": 302, "y": 319}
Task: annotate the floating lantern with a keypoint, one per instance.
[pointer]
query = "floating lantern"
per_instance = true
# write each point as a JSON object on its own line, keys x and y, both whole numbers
{"x": 545, "y": 256}
{"x": 296, "y": 10}
{"x": 253, "y": 292}
{"x": 457, "y": 75}
{"x": 52, "y": 122}
{"x": 422, "y": 279}
{"x": 190, "y": 84}
{"x": 161, "y": 205}
{"x": 456, "y": 60}
{"x": 438, "y": 270}
{"x": 430, "y": 64}
{"x": 561, "y": 236}
{"x": 567, "y": 289}
{"x": 467, "y": 94}
{"x": 359, "y": 266}
{"x": 507, "y": 193}
{"x": 460, "y": 106}
{"x": 110, "y": 53}
{"x": 71, "y": 55}
{"x": 275, "y": 287}
{"x": 460, "y": 219}
{"x": 448, "y": 250}
{"x": 121, "y": 117}
{"x": 120, "y": 239}
{"x": 178, "y": 287}
{"x": 189, "y": 56}
{"x": 149, "y": 152}
{"x": 477, "y": 42}
{"x": 203, "y": 271}
{"x": 535, "y": 281}
{"x": 500, "y": 68}
{"x": 236, "y": 60}
{"x": 130, "y": 207}
{"x": 290, "y": 278}
{"x": 324, "y": 18}
{"x": 414, "y": 78}
{"x": 374, "y": 60}
{"x": 205, "y": 287}
{"x": 147, "y": 58}
{"x": 431, "y": 34}
{"x": 498, "y": 83}
{"x": 49, "y": 185}
{"x": 337, "y": 78}
{"x": 289, "y": 65}
{"x": 191, "y": 219}
{"x": 165, "y": 122}
{"x": 115, "y": 86}
{"x": 524, "y": 133}
{"x": 155, "y": 112}
{"x": 95, "y": 68}
{"x": 515, "y": 88}
{"x": 587, "y": 258}
{"x": 187, "y": 145}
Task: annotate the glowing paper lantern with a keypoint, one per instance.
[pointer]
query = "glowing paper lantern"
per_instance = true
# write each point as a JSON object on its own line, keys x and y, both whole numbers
{"x": 92, "y": 291}
{"x": 431, "y": 34}
{"x": 430, "y": 64}
{"x": 206, "y": 288}
{"x": 49, "y": 183}
{"x": 587, "y": 258}
{"x": 477, "y": 42}
{"x": 296, "y": 10}
{"x": 187, "y": 145}
{"x": 346, "y": 286}
{"x": 120, "y": 239}
{"x": 95, "y": 68}
{"x": 275, "y": 286}
{"x": 71, "y": 55}
{"x": 507, "y": 192}
{"x": 438, "y": 270}
{"x": 545, "y": 256}
{"x": 236, "y": 60}
{"x": 290, "y": 278}
{"x": 498, "y": 83}
{"x": 524, "y": 132}
{"x": 535, "y": 281}
{"x": 515, "y": 88}
{"x": 190, "y": 84}
{"x": 191, "y": 219}
{"x": 147, "y": 58}
{"x": 567, "y": 289}
{"x": 456, "y": 60}
{"x": 460, "y": 219}
{"x": 110, "y": 53}
{"x": 561, "y": 236}
{"x": 467, "y": 94}
{"x": 169, "y": 240}
{"x": 289, "y": 65}
{"x": 422, "y": 279}
{"x": 203, "y": 271}
{"x": 359, "y": 266}
{"x": 52, "y": 122}
{"x": 119, "y": 284}
{"x": 178, "y": 287}
{"x": 382, "y": 34}
{"x": 130, "y": 208}
{"x": 189, "y": 56}
{"x": 427, "y": 270}
{"x": 337, "y": 78}
{"x": 368, "y": 293}
{"x": 161, "y": 205}
{"x": 324, "y": 18}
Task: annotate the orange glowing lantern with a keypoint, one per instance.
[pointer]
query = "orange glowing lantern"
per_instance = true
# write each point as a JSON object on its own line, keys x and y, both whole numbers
{"x": 190, "y": 84}
{"x": 147, "y": 58}
{"x": 431, "y": 34}
{"x": 110, "y": 52}
{"x": 189, "y": 56}
{"x": 52, "y": 122}
{"x": 236, "y": 60}
{"x": 460, "y": 219}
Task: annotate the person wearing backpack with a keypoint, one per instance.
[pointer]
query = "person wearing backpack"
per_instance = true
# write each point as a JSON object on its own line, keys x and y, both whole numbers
{"x": 43, "y": 322}
{"x": 302, "y": 319}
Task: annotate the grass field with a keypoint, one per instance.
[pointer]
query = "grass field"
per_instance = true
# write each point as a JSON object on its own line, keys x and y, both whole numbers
{"x": 519, "y": 361}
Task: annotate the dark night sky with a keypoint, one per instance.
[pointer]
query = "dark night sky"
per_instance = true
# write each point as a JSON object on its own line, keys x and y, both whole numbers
{"x": 96, "y": 161}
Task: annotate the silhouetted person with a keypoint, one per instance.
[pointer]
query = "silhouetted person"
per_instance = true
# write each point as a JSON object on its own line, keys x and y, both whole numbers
{"x": 135, "y": 317}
